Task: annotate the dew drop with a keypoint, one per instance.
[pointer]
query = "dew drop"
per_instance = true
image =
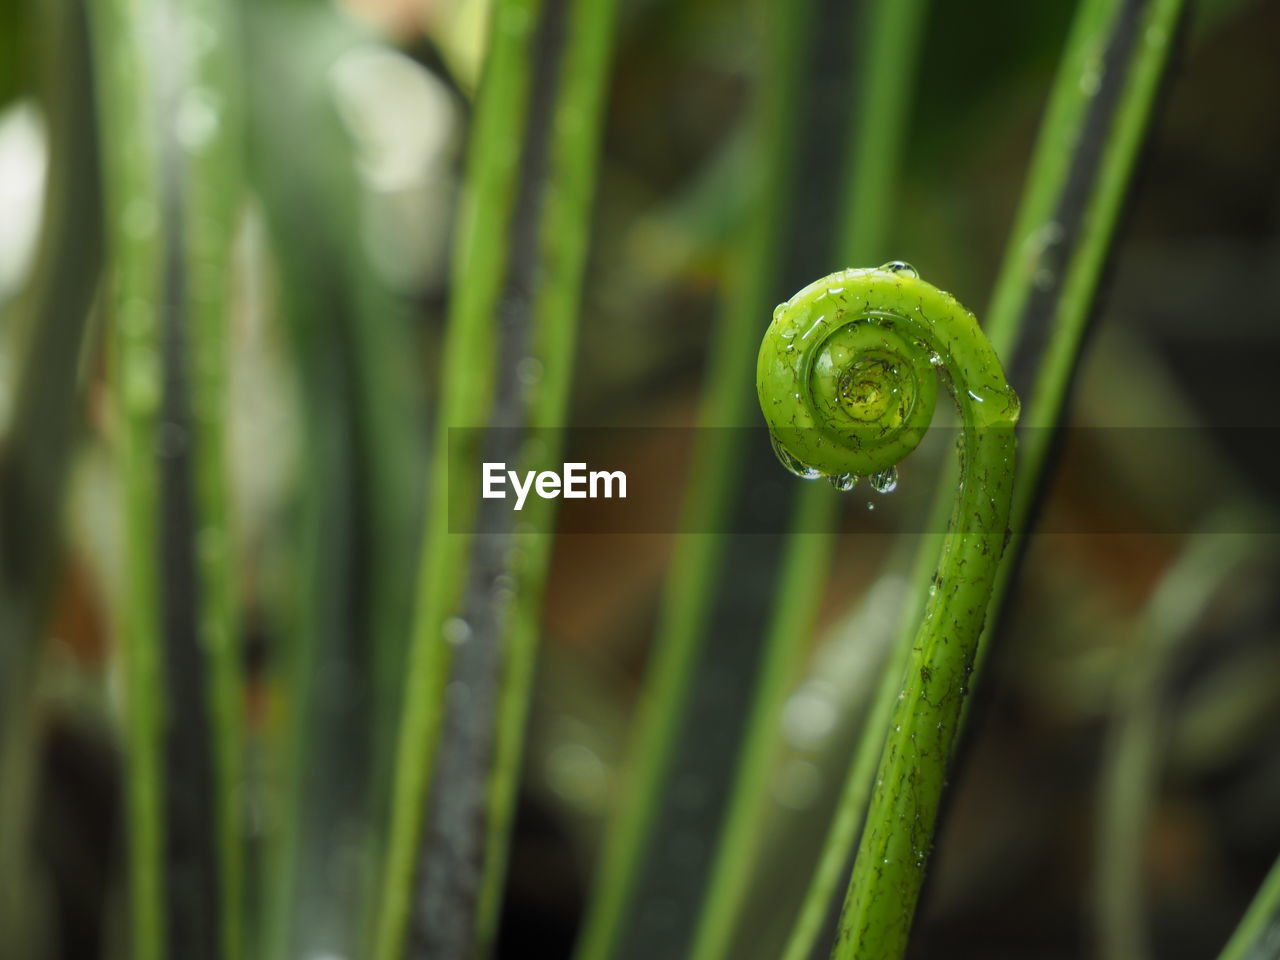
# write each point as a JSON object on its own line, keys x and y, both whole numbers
{"x": 456, "y": 631}
{"x": 198, "y": 119}
{"x": 791, "y": 463}
{"x": 886, "y": 481}
{"x": 870, "y": 505}
{"x": 529, "y": 371}
{"x": 844, "y": 482}
{"x": 1091, "y": 80}
{"x": 901, "y": 267}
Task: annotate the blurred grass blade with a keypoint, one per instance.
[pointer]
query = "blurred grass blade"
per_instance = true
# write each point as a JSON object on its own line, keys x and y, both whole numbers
{"x": 522, "y": 242}
{"x": 738, "y": 607}
{"x": 171, "y": 151}
{"x": 562, "y": 239}
{"x": 1103, "y": 103}
{"x": 208, "y": 125}
{"x": 35, "y": 452}
{"x": 1258, "y": 935}
{"x": 342, "y": 619}
{"x": 135, "y": 250}
{"x": 1207, "y": 564}
{"x": 675, "y": 657}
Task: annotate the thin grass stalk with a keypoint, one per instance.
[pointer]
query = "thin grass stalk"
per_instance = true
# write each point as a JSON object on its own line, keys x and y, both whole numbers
{"x": 341, "y": 618}
{"x": 214, "y": 191}
{"x": 1023, "y": 322}
{"x": 135, "y": 250}
{"x": 162, "y": 119}
{"x": 519, "y": 270}
{"x": 1043, "y": 327}
{"x": 563, "y": 236}
{"x": 1258, "y": 935}
{"x": 35, "y": 453}
{"x": 686, "y": 605}
{"x": 883, "y": 94}
{"x": 489, "y": 188}
{"x": 1206, "y": 564}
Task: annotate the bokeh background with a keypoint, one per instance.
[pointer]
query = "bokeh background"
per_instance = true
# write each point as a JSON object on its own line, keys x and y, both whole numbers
{"x": 1176, "y": 400}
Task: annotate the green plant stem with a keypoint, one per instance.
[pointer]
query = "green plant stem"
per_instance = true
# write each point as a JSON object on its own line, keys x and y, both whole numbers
{"x": 888, "y": 329}
{"x": 856, "y": 789}
{"x": 130, "y": 160}
{"x": 564, "y": 232}
{"x": 1030, "y": 325}
{"x": 168, "y": 126}
{"x": 1208, "y": 562}
{"x": 1258, "y": 935}
{"x": 521, "y": 250}
{"x": 344, "y": 605}
{"x": 491, "y": 180}
{"x": 214, "y": 191}
{"x": 686, "y": 603}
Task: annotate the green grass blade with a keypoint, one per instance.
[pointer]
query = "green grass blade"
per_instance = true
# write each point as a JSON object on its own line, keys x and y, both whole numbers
{"x": 212, "y": 200}
{"x": 1258, "y": 935}
{"x": 343, "y": 612}
{"x": 563, "y": 239}
{"x": 686, "y": 601}
{"x": 522, "y": 244}
{"x": 135, "y": 249}
{"x": 1042, "y": 328}
{"x": 1208, "y": 563}
{"x": 171, "y": 182}
{"x": 479, "y": 264}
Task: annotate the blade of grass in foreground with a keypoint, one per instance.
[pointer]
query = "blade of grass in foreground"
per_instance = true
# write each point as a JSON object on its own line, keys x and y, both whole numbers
{"x": 738, "y": 606}
{"x": 168, "y": 128}
{"x": 519, "y": 268}
{"x": 210, "y": 199}
{"x": 1098, "y": 115}
{"x": 38, "y": 446}
{"x": 135, "y": 250}
{"x": 344, "y": 610}
{"x": 563, "y": 234}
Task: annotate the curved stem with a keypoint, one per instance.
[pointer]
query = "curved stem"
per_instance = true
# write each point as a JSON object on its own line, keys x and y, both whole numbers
{"x": 843, "y": 388}
{"x": 889, "y": 869}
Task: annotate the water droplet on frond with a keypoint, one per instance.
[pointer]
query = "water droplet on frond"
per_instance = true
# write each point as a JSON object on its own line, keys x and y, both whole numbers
{"x": 844, "y": 482}
{"x": 901, "y": 267}
{"x": 886, "y": 481}
{"x": 803, "y": 471}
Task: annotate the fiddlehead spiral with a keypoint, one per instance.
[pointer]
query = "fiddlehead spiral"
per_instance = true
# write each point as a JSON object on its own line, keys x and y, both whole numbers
{"x": 847, "y": 377}
{"x": 847, "y": 374}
